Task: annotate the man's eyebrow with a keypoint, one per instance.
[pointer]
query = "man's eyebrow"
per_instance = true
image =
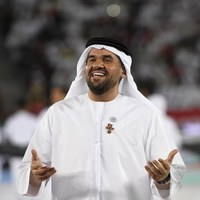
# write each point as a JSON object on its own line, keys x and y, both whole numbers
{"x": 110, "y": 56}
{"x": 102, "y": 56}
{"x": 89, "y": 56}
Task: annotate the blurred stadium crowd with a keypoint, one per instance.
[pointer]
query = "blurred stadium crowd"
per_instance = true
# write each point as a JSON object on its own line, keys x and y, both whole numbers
{"x": 41, "y": 40}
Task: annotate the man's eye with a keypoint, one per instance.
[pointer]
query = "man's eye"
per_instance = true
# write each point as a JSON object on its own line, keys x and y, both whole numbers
{"x": 107, "y": 60}
{"x": 91, "y": 60}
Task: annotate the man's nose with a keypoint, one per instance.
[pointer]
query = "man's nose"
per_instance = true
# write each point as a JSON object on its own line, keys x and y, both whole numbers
{"x": 98, "y": 64}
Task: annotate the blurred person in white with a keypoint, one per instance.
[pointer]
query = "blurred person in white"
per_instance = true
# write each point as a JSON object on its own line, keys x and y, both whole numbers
{"x": 105, "y": 140}
{"x": 148, "y": 87}
{"x": 18, "y": 130}
{"x": 171, "y": 125}
{"x": 2, "y": 118}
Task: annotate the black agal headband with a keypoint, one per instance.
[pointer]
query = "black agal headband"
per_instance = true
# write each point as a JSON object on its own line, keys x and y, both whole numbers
{"x": 109, "y": 42}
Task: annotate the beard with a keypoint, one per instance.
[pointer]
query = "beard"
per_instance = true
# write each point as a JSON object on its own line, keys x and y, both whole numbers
{"x": 101, "y": 88}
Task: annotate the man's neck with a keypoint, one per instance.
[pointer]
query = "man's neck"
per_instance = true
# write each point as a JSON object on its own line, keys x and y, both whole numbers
{"x": 108, "y": 96}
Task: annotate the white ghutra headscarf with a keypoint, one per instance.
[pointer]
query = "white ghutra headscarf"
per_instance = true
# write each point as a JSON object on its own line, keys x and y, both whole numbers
{"x": 127, "y": 85}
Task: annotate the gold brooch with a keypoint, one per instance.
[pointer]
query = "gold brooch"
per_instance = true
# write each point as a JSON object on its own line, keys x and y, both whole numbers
{"x": 109, "y": 128}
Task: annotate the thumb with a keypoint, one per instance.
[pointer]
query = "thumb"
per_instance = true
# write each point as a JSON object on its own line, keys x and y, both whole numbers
{"x": 34, "y": 155}
{"x": 171, "y": 155}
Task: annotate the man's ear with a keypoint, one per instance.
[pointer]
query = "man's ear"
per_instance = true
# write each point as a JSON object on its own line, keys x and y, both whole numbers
{"x": 123, "y": 73}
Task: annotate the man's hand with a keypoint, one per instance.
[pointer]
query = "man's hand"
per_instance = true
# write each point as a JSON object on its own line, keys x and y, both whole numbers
{"x": 160, "y": 169}
{"x": 39, "y": 173}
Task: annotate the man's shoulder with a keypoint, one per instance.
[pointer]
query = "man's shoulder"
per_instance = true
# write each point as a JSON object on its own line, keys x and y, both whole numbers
{"x": 78, "y": 98}
{"x": 72, "y": 100}
{"x": 135, "y": 103}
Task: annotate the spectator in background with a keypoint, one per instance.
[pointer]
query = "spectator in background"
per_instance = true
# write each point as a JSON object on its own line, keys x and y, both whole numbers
{"x": 148, "y": 88}
{"x": 1, "y": 134}
{"x": 19, "y": 127}
{"x": 56, "y": 93}
{"x": 171, "y": 125}
{"x": 18, "y": 130}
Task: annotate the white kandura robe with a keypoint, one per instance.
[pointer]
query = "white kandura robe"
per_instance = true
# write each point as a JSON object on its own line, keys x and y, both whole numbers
{"x": 94, "y": 165}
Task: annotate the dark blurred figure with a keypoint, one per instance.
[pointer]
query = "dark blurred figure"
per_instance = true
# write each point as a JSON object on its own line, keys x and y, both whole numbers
{"x": 57, "y": 93}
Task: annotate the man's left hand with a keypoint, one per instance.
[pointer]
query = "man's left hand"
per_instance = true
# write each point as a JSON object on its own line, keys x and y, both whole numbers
{"x": 160, "y": 169}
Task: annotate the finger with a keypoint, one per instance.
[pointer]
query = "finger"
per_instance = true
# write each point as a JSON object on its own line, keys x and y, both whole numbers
{"x": 160, "y": 167}
{"x": 151, "y": 173}
{"x": 171, "y": 155}
{"x": 45, "y": 173}
{"x": 165, "y": 164}
{"x": 34, "y": 155}
{"x": 40, "y": 171}
{"x": 153, "y": 167}
{"x": 49, "y": 170}
{"x": 36, "y": 163}
{"x": 42, "y": 177}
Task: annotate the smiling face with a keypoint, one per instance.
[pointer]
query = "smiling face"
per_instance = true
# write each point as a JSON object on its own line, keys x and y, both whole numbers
{"x": 104, "y": 71}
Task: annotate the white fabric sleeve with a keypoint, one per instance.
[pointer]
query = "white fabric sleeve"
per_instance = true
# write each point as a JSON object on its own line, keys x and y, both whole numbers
{"x": 175, "y": 185}
{"x": 41, "y": 143}
{"x": 158, "y": 146}
{"x": 23, "y": 186}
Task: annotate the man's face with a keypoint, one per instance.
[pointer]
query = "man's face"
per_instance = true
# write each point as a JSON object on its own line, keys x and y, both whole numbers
{"x": 103, "y": 71}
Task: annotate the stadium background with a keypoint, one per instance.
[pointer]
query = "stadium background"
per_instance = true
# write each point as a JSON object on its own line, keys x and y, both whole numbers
{"x": 41, "y": 40}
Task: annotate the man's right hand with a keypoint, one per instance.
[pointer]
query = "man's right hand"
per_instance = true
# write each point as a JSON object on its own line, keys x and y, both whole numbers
{"x": 39, "y": 173}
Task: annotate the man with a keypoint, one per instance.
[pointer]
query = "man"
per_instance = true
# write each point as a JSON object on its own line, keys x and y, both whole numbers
{"x": 97, "y": 142}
